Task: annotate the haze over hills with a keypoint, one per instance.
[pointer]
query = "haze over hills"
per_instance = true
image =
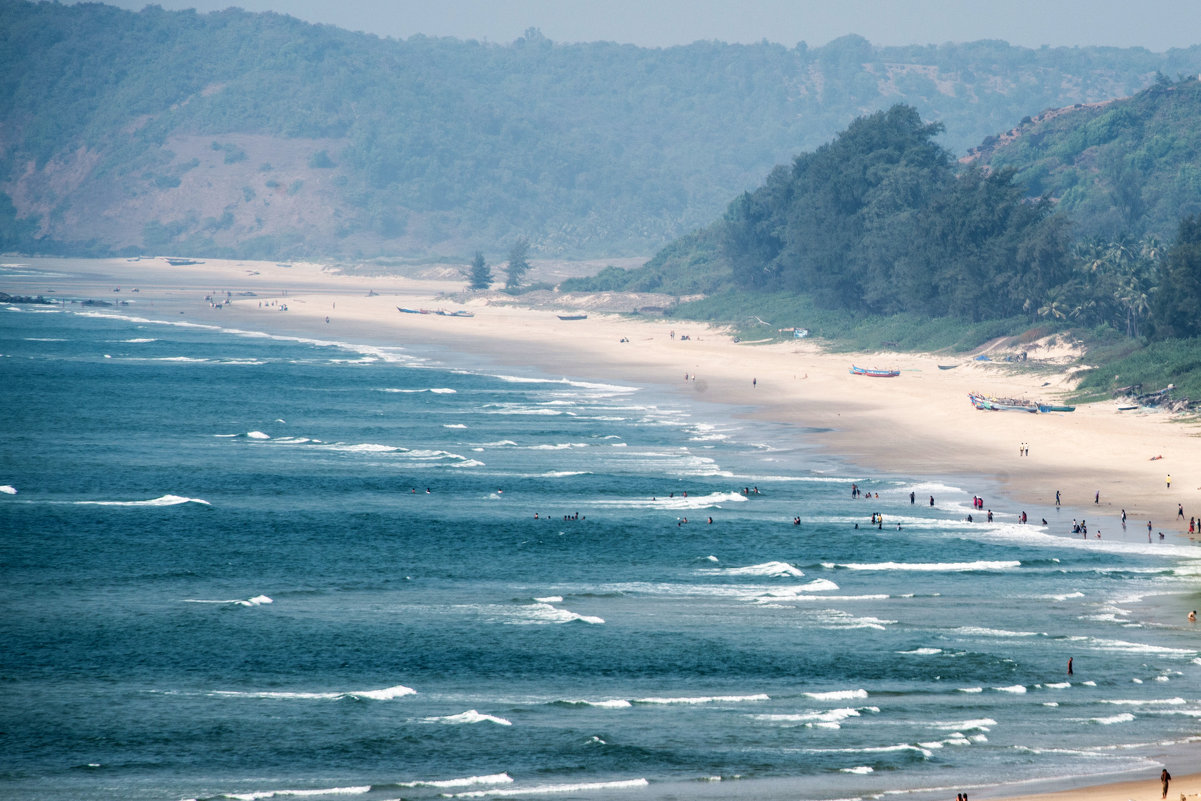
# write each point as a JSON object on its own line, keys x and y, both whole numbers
{"x": 257, "y": 135}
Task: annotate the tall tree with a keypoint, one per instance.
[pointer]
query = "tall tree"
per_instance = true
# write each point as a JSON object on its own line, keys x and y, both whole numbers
{"x": 1178, "y": 294}
{"x": 479, "y": 275}
{"x": 518, "y": 265}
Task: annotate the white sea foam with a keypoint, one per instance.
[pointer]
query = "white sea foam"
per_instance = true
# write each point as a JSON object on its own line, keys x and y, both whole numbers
{"x": 837, "y": 695}
{"x": 545, "y": 613}
{"x": 978, "y": 631}
{"x": 8, "y": 489}
{"x": 1013, "y": 688}
{"x": 258, "y": 600}
{"x": 801, "y": 592}
{"x": 705, "y": 699}
{"x": 1147, "y": 702}
{"x": 468, "y": 781}
{"x": 1131, "y": 647}
{"x": 839, "y": 619}
{"x": 922, "y": 651}
{"x": 257, "y": 435}
{"x": 453, "y": 425}
{"x": 162, "y": 500}
{"x": 827, "y": 719}
{"x": 296, "y": 793}
{"x": 614, "y": 703}
{"x": 564, "y": 473}
{"x": 928, "y": 567}
{"x": 364, "y": 447}
{"x": 862, "y": 770}
{"x": 386, "y": 694}
{"x": 678, "y": 502}
{"x": 470, "y": 716}
{"x": 765, "y": 569}
{"x": 1125, "y": 717}
{"x": 549, "y": 789}
{"x": 976, "y": 724}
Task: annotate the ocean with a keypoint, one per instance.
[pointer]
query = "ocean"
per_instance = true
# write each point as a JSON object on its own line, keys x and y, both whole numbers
{"x": 243, "y": 566}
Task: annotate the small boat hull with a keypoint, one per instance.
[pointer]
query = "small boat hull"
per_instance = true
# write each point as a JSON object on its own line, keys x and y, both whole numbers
{"x": 871, "y": 372}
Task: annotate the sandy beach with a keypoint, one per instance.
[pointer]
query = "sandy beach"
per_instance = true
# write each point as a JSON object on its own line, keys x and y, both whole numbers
{"x": 1100, "y": 458}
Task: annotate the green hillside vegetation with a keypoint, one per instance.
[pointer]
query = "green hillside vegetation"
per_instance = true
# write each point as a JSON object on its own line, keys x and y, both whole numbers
{"x": 1129, "y": 167}
{"x": 233, "y": 133}
{"x": 880, "y": 222}
{"x": 879, "y": 239}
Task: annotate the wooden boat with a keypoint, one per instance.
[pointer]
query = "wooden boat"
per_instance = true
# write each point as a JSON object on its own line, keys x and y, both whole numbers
{"x": 439, "y": 312}
{"x": 947, "y": 366}
{"x": 991, "y": 404}
{"x": 874, "y": 372}
{"x": 1051, "y": 407}
{"x": 573, "y": 317}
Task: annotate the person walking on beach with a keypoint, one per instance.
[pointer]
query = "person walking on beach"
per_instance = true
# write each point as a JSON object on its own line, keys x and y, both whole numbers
{"x": 1180, "y": 510}
{"x": 1169, "y": 480}
{"x": 1057, "y": 497}
{"x": 1097, "y": 497}
{"x": 1165, "y": 777}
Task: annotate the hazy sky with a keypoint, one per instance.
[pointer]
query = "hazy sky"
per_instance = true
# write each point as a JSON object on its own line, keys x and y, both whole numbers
{"x": 1155, "y": 24}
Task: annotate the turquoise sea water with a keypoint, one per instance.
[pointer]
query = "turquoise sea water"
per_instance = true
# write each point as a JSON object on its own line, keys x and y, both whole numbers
{"x": 239, "y": 566}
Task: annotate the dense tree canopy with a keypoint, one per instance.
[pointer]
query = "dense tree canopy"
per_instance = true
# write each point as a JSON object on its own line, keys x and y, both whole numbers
{"x": 879, "y": 221}
{"x": 1127, "y": 167}
{"x": 1177, "y": 307}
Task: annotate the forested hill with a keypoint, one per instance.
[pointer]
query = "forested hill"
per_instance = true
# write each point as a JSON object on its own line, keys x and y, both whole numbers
{"x": 258, "y": 135}
{"x": 1128, "y": 167}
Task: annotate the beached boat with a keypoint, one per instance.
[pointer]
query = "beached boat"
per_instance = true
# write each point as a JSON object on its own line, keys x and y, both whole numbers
{"x": 573, "y": 317}
{"x": 991, "y": 404}
{"x": 408, "y": 311}
{"x": 947, "y": 366}
{"x": 873, "y": 372}
{"x": 1052, "y": 407}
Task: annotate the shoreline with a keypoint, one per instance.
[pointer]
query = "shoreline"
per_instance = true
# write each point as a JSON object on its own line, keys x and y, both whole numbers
{"x": 919, "y": 424}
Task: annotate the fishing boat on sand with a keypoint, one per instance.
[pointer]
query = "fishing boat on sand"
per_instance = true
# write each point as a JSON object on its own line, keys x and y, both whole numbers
{"x": 573, "y": 317}
{"x": 439, "y": 312}
{"x": 1052, "y": 407}
{"x": 873, "y": 372}
{"x": 992, "y": 404}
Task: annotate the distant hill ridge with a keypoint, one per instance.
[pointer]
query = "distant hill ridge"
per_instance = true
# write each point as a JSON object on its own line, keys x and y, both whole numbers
{"x": 258, "y": 135}
{"x": 1125, "y": 167}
